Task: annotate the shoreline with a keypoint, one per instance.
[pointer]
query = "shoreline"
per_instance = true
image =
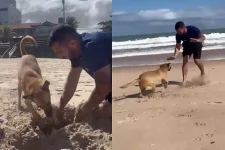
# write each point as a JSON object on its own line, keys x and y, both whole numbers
{"x": 127, "y": 68}
{"x": 208, "y": 55}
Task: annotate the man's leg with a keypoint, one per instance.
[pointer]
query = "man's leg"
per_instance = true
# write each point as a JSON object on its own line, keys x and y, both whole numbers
{"x": 185, "y": 68}
{"x": 197, "y": 57}
{"x": 200, "y": 65}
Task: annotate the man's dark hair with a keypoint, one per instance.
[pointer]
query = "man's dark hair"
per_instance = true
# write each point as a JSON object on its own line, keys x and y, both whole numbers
{"x": 62, "y": 33}
{"x": 179, "y": 24}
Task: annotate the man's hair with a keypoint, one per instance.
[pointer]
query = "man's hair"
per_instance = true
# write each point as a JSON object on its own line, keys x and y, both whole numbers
{"x": 179, "y": 24}
{"x": 62, "y": 33}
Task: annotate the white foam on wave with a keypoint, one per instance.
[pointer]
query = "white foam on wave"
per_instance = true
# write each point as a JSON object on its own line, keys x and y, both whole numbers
{"x": 151, "y": 46}
{"x": 130, "y": 54}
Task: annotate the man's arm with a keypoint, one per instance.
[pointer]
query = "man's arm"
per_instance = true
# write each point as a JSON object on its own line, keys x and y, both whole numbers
{"x": 201, "y": 38}
{"x": 102, "y": 87}
{"x": 177, "y": 50}
{"x": 70, "y": 86}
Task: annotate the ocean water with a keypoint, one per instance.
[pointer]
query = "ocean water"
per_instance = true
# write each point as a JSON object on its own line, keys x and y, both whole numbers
{"x": 150, "y": 44}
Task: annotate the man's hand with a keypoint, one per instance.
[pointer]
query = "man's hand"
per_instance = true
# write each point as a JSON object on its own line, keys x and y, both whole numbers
{"x": 102, "y": 89}
{"x": 57, "y": 116}
{"x": 171, "y": 58}
{"x": 195, "y": 40}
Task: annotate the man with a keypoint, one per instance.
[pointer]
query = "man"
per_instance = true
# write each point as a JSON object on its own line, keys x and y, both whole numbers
{"x": 93, "y": 53}
{"x": 192, "y": 44}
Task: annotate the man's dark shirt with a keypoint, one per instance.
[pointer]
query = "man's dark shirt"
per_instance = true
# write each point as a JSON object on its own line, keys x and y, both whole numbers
{"x": 96, "y": 52}
{"x": 192, "y": 32}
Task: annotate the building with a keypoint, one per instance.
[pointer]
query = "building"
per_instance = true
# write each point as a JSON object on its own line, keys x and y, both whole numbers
{"x": 33, "y": 29}
{"x": 9, "y": 14}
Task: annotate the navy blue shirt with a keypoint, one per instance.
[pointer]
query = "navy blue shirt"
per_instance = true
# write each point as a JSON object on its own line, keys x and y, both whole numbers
{"x": 96, "y": 52}
{"x": 192, "y": 32}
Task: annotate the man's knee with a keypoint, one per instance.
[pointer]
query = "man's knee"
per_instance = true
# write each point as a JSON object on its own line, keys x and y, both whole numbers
{"x": 197, "y": 61}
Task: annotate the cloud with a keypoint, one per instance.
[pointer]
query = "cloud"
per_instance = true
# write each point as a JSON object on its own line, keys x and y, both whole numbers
{"x": 163, "y": 20}
{"x": 118, "y": 13}
{"x": 88, "y": 12}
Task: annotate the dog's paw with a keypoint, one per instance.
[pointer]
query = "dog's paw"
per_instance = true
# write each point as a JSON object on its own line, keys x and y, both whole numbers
{"x": 165, "y": 85}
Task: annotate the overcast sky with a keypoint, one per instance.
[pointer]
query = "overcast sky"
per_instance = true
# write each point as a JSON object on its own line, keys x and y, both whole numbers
{"x": 87, "y": 12}
{"x": 145, "y": 16}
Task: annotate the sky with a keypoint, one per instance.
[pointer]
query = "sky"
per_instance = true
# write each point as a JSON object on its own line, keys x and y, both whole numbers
{"x": 131, "y": 17}
{"x": 88, "y": 12}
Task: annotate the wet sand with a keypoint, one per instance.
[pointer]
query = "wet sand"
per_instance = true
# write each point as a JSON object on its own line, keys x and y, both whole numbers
{"x": 161, "y": 58}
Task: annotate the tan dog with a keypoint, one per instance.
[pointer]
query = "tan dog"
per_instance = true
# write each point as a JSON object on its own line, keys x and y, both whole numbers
{"x": 35, "y": 89}
{"x": 148, "y": 80}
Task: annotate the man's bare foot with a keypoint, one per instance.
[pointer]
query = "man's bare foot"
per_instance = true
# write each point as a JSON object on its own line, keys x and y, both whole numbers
{"x": 184, "y": 83}
{"x": 57, "y": 116}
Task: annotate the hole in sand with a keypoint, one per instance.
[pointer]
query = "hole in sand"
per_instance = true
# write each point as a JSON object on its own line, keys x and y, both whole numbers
{"x": 92, "y": 134}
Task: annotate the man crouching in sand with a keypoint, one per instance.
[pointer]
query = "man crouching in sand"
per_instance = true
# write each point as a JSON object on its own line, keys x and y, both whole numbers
{"x": 93, "y": 53}
{"x": 192, "y": 44}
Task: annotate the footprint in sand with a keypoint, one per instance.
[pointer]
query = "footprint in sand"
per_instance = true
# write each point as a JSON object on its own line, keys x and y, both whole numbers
{"x": 200, "y": 124}
{"x": 128, "y": 119}
{"x": 183, "y": 115}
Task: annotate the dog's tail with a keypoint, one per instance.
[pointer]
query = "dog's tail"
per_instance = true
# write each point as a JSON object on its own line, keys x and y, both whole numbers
{"x": 129, "y": 84}
{"x": 24, "y": 41}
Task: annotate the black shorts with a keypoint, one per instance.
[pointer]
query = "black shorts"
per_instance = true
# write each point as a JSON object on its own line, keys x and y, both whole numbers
{"x": 192, "y": 48}
{"x": 109, "y": 97}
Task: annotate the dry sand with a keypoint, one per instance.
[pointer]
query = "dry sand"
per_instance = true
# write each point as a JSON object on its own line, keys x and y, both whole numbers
{"x": 16, "y": 130}
{"x": 190, "y": 118}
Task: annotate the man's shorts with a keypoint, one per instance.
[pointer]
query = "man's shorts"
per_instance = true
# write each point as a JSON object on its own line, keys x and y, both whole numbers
{"x": 192, "y": 48}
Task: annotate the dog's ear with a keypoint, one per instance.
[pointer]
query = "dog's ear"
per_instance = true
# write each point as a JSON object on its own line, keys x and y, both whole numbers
{"x": 30, "y": 97}
{"x": 45, "y": 86}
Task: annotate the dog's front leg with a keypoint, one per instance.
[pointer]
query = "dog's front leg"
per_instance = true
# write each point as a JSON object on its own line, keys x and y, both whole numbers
{"x": 19, "y": 90}
{"x": 30, "y": 108}
{"x": 164, "y": 83}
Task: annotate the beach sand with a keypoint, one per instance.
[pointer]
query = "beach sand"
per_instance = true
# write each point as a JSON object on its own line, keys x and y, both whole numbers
{"x": 176, "y": 118}
{"x": 15, "y": 129}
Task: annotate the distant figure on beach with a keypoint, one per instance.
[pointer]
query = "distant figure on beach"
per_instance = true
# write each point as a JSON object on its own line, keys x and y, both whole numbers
{"x": 91, "y": 52}
{"x": 192, "y": 44}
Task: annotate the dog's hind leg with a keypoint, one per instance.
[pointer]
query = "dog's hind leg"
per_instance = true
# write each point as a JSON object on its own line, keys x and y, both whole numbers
{"x": 142, "y": 92}
{"x": 164, "y": 83}
{"x": 19, "y": 90}
{"x": 151, "y": 87}
{"x": 31, "y": 109}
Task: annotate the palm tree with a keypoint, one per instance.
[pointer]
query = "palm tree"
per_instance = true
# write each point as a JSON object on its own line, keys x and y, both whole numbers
{"x": 72, "y": 21}
{"x": 6, "y": 33}
{"x": 106, "y": 25}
